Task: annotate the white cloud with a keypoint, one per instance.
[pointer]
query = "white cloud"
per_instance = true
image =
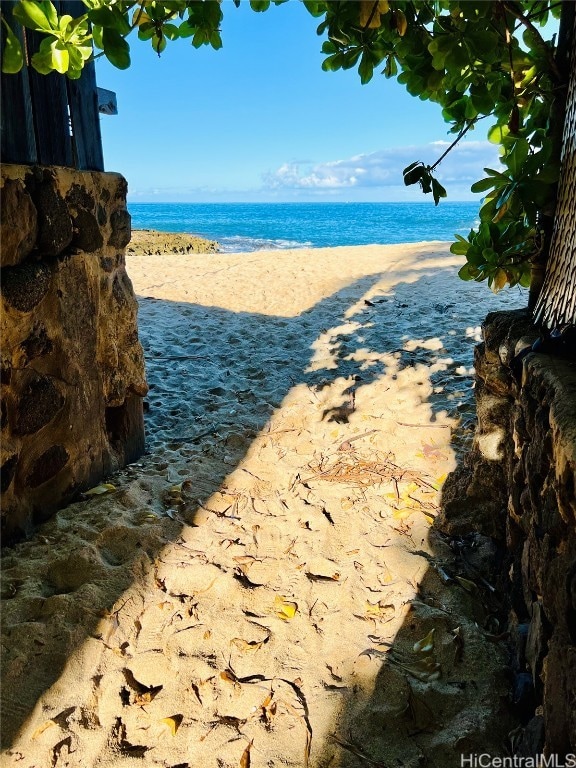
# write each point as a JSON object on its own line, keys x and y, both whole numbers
{"x": 383, "y": 168}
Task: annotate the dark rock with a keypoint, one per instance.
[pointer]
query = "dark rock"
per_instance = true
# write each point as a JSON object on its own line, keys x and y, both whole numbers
{"x": 23, "y": 287}
{"x": 536, "y": 643}
{"x": 37, "y": 344}
{"x": 108, "y": 263}
{"x": 121, "y": 228}
{"x": 47, "y": 465}
{"x": 87, "y": 233}
{"x": 19, "y": 223}
{"x": 54, "y": 223}
{"x": 7, "y": 472}
{"x": 79, "y": 197}
{"x": 39, "y": 403}
{"x": 531, "y": 743}
{"x": 466, "y": 503}
{"x": 523, "y": 696}
{"x": 521, "y": 478}
{"x": 121, "y": 290}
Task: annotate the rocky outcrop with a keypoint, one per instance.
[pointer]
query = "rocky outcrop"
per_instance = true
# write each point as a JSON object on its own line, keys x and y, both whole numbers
{"x": 150, "y": 241}
{"x": 519, "y": 485}
{"x": 72, "y": 366}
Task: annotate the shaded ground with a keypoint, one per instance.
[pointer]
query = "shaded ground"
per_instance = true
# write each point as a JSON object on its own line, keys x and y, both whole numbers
{"x": 263, "y": 588}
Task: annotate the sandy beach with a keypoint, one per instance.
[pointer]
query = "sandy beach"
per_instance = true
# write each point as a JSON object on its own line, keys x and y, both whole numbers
{"x": 265, "y": 587}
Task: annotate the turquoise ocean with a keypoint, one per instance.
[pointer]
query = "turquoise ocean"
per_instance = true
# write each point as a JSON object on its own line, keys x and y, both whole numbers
{"x": 243, "y": 227}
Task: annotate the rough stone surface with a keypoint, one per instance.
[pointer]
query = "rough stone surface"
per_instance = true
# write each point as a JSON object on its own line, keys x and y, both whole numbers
{"x": 121, "y": 229}
{"x": 149, "y": 241}
{"x": 522, "y": 490}
{"x": 55, "y": 230}
{"x": 70, "y": 353}
{"x": 19, "y": 222}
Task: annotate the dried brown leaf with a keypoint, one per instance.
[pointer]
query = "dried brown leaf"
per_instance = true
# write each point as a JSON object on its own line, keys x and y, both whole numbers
{"x": 245, "y": 759}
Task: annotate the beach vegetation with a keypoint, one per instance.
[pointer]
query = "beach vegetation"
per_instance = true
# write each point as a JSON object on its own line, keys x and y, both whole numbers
{"x": 489, "y": 63}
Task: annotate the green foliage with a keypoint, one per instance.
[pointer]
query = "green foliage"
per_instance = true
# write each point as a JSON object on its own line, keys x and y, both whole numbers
{"x": 476, "y": 59}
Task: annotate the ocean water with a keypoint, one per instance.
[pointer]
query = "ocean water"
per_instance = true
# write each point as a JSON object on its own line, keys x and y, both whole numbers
{"x": 242, "y": 227}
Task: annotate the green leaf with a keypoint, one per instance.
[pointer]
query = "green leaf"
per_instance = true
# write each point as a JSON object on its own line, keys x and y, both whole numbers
{"x": 314, "y": 8}
{"x": 170, "y": 31}
{"x": 426, "y": 182}
{"x": 216, "y": 40}
{"x": 147, "y": 32}
{"x": 158, "y": 43}
{"x": 259, "y": 5}
{"x": 438, "y": 190}
{"x": 391, "y": 68}
{"x": 60, "y": 58}
{"x": 74, "y": 74}
{"x": 42, "y": 62}
{"x": 97, "y": 37}
{"x": 365, "y": 69}
{"x": 63, "y": 22}
{"x": 332, "y": 63}
{"x": 50, "y": 12}
{"x": 484, "y": 184}
{"x": 460, "y": 248}
{"x": 12, "y": 58}
{"x": 516, "y": 157}
{"x": 464, "y": 272}
{"x": 116, "y": 49}
{"x": 498, "y": 133}
{"x": 30, "y": 15}
{"x": 103, "y": 17}
{"x": 413, "y": 173}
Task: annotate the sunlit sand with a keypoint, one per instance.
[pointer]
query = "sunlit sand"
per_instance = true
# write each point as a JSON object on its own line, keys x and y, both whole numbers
{"x": 259, "y": 588}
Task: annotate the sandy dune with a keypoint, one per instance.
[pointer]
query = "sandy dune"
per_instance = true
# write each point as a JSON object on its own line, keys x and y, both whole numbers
{"x": 263, "y": 588}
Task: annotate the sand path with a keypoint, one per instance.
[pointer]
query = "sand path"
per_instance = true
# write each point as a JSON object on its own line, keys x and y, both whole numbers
{"x": 263, "y": 588}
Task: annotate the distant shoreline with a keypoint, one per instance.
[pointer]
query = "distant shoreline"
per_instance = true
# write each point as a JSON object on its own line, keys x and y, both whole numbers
{"x": 251, "y": 227}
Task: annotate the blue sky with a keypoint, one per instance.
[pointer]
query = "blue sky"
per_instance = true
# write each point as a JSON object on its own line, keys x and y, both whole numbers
{"x": 260, "y": 121}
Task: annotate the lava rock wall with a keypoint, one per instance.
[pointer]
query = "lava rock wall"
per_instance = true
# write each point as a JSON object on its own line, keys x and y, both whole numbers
{"x": 519, "y": 485}
{"x": 72, "y": 368}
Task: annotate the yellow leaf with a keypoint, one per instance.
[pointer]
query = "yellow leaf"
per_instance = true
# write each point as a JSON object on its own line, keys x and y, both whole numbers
{"x": 499, "y": 281}
{"x": 401, "y": 23}
{"x": 245, "y": 759}
{"x": 426, "y": 645}
{"x": 402, "y": 513}
{"x": 99, "y": 490}
{"x": 370, "y": 13}
{"x": 41, "y": 728}
{"x": 140, "y": 17}
{"x": 173, "y": 723}
{"x": 379, "y": 609}
{"x": 285, "y": 609}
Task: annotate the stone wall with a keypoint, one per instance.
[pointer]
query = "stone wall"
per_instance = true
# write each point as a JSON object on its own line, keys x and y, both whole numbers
{"x": 519, "y": 485}
{"x": 72, "y": 368}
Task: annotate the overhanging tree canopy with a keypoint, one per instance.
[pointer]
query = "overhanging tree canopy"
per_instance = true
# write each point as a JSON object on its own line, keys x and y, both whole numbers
{"x": 480, "y": 60}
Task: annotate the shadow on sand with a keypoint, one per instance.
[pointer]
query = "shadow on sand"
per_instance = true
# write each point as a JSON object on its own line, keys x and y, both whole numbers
{"x": 64, "y": 589}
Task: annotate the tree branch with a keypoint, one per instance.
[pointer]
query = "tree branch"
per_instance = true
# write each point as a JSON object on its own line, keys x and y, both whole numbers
{"x": 460, "y": 136}
{"x": 525, "y": 21}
